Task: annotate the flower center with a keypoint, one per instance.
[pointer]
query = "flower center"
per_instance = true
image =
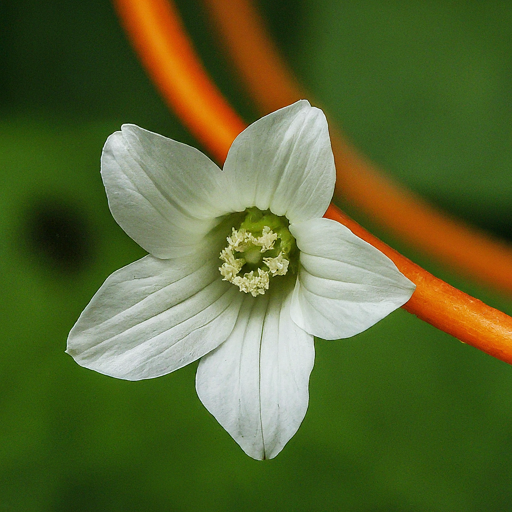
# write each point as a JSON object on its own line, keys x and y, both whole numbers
{"x": 259, "y": 250}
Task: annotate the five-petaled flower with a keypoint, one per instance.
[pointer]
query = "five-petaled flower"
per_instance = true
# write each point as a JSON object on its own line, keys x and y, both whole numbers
{"x": 242, "y": 272}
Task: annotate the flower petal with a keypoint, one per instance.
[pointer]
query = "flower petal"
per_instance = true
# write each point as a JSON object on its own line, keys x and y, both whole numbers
{"x": 256, "y": 383}
{"x": 155, "y": 316}
{"x": 164, "y": 194}
{"x": 283, "y": 162}
{"x": 345, "y": 285}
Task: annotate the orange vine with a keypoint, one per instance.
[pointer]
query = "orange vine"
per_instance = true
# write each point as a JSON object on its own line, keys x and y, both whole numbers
{"x": 442, "y": 305}
{"x": 158, "y": 36}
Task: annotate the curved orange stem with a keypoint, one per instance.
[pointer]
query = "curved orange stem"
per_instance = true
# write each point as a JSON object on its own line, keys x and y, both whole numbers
{"x": 149, "y": 23}
{"x": 442, "y": 305}
{"x": 157, "y": 34}
{"x": 272, "y": 85}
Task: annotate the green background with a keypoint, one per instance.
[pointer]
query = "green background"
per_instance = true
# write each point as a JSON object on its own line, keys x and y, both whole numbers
{"x": 401, "y": 418}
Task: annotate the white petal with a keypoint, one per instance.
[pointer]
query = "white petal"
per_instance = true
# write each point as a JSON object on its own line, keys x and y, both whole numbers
{"x": 153, "y": 317}
{"x": 283, "y": 162}
{"x": 345, "y": 285}
{"x": 256, "y": 383}
{"x": 164, "y": 194}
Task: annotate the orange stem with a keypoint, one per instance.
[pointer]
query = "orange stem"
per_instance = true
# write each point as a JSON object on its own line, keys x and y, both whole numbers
{"x": 442, "y": 305}
{"x": 272, "y": 85}
{"x": 157, "y": 33}
{"x": 149, "y": 23}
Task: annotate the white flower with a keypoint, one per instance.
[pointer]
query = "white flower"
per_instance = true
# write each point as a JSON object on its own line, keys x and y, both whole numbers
{"x": 288, "y": 274}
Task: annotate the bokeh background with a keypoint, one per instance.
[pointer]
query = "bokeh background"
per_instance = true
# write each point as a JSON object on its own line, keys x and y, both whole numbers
{"x": 401, "y": 418}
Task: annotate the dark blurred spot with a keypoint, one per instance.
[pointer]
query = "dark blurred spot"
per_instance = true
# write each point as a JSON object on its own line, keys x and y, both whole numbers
{"x": 58, "y": 235}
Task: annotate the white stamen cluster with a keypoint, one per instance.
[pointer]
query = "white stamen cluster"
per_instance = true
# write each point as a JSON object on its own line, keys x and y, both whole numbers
{"x": 241, "y": 240}
{"x": 277, "y": 266}
{"x": 249, "y": 249}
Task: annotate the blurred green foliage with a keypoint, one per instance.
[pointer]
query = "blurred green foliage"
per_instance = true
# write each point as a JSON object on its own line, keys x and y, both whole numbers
{"x": 424, "y": 89}
{"x": 401, "y": 418}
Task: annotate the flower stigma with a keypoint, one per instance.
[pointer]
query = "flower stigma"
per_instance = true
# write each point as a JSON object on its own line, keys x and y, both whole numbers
{"x": 260, "y": 249}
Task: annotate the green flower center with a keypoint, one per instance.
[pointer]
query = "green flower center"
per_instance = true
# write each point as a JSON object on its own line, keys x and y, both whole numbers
{"x": 260, "y": 249}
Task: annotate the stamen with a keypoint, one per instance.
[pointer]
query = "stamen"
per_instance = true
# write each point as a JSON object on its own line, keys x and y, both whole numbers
{"x": 266, "y": 240}
{"x": 278, "y": 266}
{"x": 231, "y": 265}
{"x": 250, "y": 283}
{"x": 246, "y": 249}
